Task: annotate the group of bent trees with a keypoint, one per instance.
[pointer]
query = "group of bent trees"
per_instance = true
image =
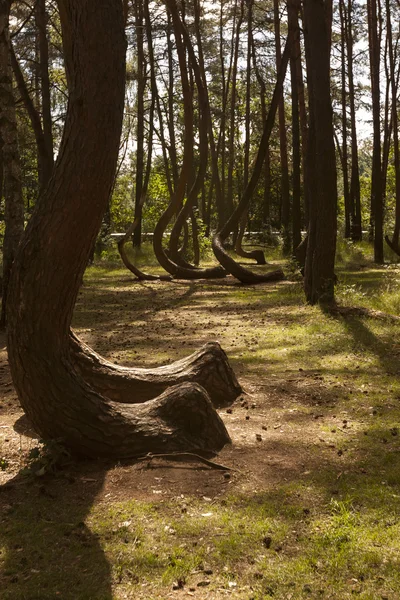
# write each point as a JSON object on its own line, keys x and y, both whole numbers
{"x": 172, "y": 260}
{"x": 67, "y": 391}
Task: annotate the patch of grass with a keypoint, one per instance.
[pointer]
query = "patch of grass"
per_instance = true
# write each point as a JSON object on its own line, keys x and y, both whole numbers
{"x": 315, "y": 515}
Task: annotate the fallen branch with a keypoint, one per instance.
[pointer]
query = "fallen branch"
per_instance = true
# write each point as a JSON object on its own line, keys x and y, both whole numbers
{"x": 197, "y": 457}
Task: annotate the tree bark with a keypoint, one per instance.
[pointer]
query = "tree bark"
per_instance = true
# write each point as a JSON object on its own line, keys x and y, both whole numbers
{"x": 285, "y": 188}
{"x": 348, "y": 208}
{"x": 170, "y": 264}
{"x": 395, "y": 125}
{"x": 245, "y": 275}
{"x": 355, "y": 192}
{"x": 11, "y": 168}
{"x": 376, "y": 184}
{"x": 232, "y": 114}
{"x": 41, "y": 24}
{"x": 44, "y": 285}
{"x": 293, "y": 10}
{"x": 257, "y": 255}
{"x": 141, "y": 85}
{"x": 319, "y": 275}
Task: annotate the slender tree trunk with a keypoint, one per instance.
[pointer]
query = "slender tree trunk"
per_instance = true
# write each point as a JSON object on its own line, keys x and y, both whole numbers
{"x": 395, "y": 124}
{"x": 140, "y": 115}
{"x": 171, "y": 118}
{"x": 348, "y": 207}
{"x": 257, "y": 255}
{"x": 248, "y": 94}
{"x": 11, "y": 169}
{"x": 155, "y": 94}
{"x": 216, "y": 181}
{"x": 41, "y": 24}
{"x": 232, "y": 115}
{"x": 319, "y": 276}
{"x": 387, "y": 124}
{"x": 285, "y": 188}
{"x": 45, "y": 367}
{"x": 170, "y": 264}
{"x": 376, "y": 184}
{"x": 355, "y": 192}
{"x": 45, "y": 161}
{"x": 296, "y": 161}
{"x": 303, "y": 128}
{"x": 243, "y": 274}
{"x": 267, "y": 164}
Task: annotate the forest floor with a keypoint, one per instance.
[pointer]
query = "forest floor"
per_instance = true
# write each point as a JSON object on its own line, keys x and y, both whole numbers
{"x": 311, "y": 507}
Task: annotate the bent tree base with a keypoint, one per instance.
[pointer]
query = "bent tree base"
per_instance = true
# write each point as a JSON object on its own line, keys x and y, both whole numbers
{"x": 208, "y": 366}
{"x": 66, "y": 390}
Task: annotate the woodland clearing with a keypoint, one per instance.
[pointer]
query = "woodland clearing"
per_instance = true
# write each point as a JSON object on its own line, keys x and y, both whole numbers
{"x": 310, "y": 507}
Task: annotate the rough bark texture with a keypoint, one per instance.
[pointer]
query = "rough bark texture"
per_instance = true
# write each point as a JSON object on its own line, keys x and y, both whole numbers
{"x": 59, "y": 402}
{"x": 208, "y": 367}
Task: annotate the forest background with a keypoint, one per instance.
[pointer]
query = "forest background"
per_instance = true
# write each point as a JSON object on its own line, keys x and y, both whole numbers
{"x": 263, "y": 131}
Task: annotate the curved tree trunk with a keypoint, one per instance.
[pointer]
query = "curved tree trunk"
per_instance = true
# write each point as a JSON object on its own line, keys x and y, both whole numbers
{"x": 170, "y": 262}
{"x": 44, "y": 285}
{"x": 257, "y": 255}
{"x": 207, "y": 366}
{"x": 245, "y": 275}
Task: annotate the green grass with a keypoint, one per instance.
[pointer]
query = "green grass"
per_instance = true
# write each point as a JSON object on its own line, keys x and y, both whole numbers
{"x": 326, "y": 527}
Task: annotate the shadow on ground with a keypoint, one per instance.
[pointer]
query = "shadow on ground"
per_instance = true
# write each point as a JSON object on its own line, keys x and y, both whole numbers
{"x": 47, "y": 550}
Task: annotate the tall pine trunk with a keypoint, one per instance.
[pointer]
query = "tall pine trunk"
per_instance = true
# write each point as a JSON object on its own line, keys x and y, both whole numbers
{"x": 319, "y": 276}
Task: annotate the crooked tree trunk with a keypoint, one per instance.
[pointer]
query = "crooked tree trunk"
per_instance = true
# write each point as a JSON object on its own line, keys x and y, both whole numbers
{"x": 208, "y": 366}
{"x": 245, "y": 275}
{"x": 144, "y": 184}
{"x": 59, "y": 402}
{"x": 257, "y": 255}
{"x": 182, "y": 271}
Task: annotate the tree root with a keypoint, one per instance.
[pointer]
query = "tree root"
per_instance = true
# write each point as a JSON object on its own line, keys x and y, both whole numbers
{"x": 208, "y": 367}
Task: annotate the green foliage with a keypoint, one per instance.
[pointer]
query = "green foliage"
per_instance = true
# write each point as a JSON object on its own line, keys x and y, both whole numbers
{"x": 157, "y": 200}
{"x": 121, "y": 205}
{"x": 4, "y": 464}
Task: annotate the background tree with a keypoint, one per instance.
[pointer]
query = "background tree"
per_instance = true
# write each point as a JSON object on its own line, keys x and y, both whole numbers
{"x": 319, "y": 277}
